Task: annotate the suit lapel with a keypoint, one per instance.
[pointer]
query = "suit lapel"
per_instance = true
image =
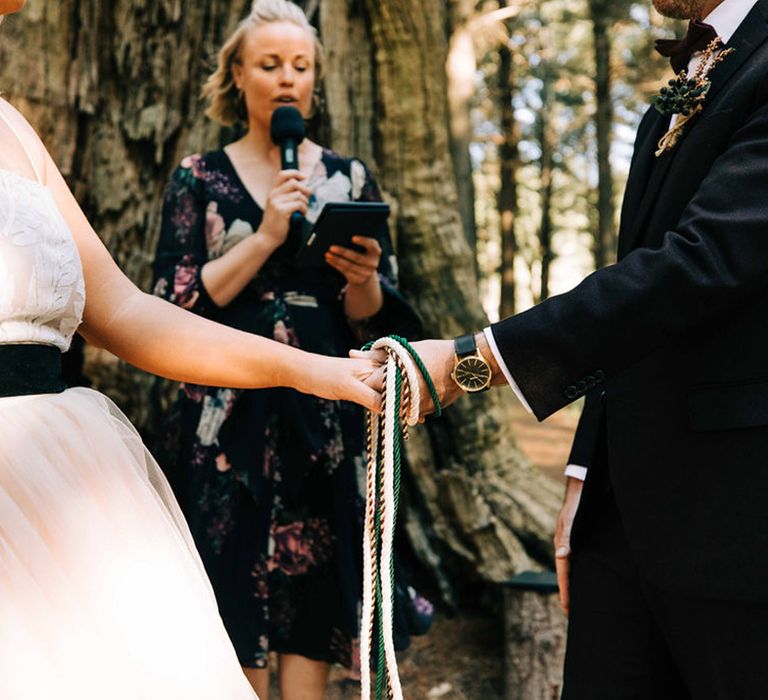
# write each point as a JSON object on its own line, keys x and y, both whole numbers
{"x": 752, "y": 32}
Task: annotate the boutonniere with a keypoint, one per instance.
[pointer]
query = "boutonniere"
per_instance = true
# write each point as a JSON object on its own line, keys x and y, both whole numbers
{"x": 684, "y": 96}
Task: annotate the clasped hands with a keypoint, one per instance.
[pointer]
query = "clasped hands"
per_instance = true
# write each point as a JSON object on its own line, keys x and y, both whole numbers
{"x": 437, "y": 356}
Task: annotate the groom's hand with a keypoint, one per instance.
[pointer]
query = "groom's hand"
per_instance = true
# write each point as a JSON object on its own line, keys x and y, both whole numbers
{"x": 437, "y": 356}
{"x": 563, "y": 538}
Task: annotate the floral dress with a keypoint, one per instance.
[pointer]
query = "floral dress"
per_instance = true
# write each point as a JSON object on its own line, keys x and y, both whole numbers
{"x": 271, "y": 480}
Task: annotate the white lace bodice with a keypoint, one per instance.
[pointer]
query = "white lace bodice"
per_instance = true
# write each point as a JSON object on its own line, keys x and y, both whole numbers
{"x": 42, "y": 292}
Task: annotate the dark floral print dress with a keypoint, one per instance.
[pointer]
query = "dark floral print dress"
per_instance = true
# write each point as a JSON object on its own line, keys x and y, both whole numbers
{"x": 271, "y": 480}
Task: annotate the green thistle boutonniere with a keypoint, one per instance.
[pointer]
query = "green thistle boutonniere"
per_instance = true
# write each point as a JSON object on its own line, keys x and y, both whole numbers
{"x": 684, "y": 96}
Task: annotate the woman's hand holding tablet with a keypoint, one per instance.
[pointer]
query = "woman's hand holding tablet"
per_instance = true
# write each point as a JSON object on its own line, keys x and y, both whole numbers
{"x": 338, "y": 225}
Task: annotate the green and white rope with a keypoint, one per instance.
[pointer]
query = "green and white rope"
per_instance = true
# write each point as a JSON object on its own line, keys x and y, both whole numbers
{"x": 386, "y": 432}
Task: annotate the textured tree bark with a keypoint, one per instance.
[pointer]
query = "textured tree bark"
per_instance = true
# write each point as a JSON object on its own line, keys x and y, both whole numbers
{"x": 509, "y": 163}
{"x": 605, "y": 236}
{"x": 535, "y": 635}
{"x": 113, "y": 88}
{"x": 460, "y": 67}
{"x": 349, "y": 79}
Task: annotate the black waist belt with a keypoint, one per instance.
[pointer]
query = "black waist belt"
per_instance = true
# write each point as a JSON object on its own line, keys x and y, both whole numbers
{"x": 30, "y": 369}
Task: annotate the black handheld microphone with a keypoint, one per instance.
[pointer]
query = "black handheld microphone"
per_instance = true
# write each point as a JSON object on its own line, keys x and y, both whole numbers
{"x": 287, "y": 132}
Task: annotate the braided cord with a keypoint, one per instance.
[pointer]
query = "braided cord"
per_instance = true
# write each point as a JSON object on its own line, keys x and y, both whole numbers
{"x": 381, "y": 670}
{"x": 370, "y": 551}
{"x": 386, "y": 435}
{"x": 423, "y": 369}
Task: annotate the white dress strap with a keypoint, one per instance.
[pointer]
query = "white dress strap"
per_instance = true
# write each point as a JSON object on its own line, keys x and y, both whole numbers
{"x": 23, "y": 145}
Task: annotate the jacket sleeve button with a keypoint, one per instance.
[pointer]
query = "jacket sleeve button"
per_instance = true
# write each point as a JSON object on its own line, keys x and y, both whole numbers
{"x": 571, "y": 392}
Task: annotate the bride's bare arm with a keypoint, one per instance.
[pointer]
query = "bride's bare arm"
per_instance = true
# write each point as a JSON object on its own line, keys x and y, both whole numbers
{"x": 166, "y": 340}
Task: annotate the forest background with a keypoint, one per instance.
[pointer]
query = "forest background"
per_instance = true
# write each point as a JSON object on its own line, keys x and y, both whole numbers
{"x": 500, "y": 131}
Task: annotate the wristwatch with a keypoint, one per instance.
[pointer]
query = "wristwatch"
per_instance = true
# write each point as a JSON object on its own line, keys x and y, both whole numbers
{"x": 471, "y": 370}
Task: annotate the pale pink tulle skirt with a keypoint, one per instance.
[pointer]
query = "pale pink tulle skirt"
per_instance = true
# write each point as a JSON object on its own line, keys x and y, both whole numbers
{"x": 102, "y": 594}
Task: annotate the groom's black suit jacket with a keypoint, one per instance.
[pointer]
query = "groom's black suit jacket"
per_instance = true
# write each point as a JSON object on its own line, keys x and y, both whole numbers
{"x": 670, "y": 345}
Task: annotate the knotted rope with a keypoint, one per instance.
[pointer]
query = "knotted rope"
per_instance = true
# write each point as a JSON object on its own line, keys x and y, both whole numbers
{"x": 400, "y": 409}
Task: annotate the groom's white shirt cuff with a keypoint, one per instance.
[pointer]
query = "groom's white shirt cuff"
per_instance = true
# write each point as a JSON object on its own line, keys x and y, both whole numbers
{"x": 576, "y": 471}
{"x": 504, "y": 369}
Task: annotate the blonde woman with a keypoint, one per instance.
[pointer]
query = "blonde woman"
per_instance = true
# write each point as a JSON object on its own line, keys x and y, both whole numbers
{"x": 102, "y": 594}
{"x": 269, "y": 480}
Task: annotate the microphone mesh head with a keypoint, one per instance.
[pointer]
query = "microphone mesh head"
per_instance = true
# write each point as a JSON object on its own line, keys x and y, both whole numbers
{"x": 287, "y": 123}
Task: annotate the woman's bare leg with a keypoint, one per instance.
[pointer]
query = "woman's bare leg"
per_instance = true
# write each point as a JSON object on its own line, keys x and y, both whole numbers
{"x": 302, "y": 678}
{"x": 259, "y": 679}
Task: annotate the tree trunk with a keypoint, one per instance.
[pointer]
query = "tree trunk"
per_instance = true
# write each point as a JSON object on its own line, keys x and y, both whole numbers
{"x": 349, "y": 79}
{"x": 534, "y": 645}
{"x": 461, "y": 67}
{"x": 509, "y": 163}
{"x": 487, "y": 505}
{"x": 113, "y": 90}
{"x": 605, "y": 236}
{"x": 546, "y": 162}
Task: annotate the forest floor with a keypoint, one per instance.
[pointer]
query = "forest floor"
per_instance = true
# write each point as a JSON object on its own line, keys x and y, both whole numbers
{"x": 461, "y": 658}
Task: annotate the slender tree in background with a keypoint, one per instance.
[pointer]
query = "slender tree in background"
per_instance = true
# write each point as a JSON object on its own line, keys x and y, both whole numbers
{"x": 604, "y": 15}
{"x": 601, "y": 14}
{"x": 546, "y": 170}
{"x": 509, "y": 164}
{"x": 545, "y": 137}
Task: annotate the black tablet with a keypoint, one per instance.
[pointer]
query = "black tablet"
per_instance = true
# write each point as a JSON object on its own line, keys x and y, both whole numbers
{"x": 337, "y": 224}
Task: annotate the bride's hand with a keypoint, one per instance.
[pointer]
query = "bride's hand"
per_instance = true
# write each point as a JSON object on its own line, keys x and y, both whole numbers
{"x": 341, "y": 379}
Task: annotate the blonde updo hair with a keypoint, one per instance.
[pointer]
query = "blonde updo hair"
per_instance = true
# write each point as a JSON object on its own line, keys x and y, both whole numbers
{"x": 224, "y": 103}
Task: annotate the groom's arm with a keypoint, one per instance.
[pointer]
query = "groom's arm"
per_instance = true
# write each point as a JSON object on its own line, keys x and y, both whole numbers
{"x": 715, "y": 259}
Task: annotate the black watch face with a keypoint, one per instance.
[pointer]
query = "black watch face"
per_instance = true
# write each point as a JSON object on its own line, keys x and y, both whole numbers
{"x": 472, "y": 374}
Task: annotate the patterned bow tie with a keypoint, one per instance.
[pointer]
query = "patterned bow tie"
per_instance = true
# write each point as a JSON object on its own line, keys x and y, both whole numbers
{"x": 679, "y": 51}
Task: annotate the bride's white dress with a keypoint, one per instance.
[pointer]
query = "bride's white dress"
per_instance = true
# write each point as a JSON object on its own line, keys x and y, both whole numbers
{"x": 102, "y": 594}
